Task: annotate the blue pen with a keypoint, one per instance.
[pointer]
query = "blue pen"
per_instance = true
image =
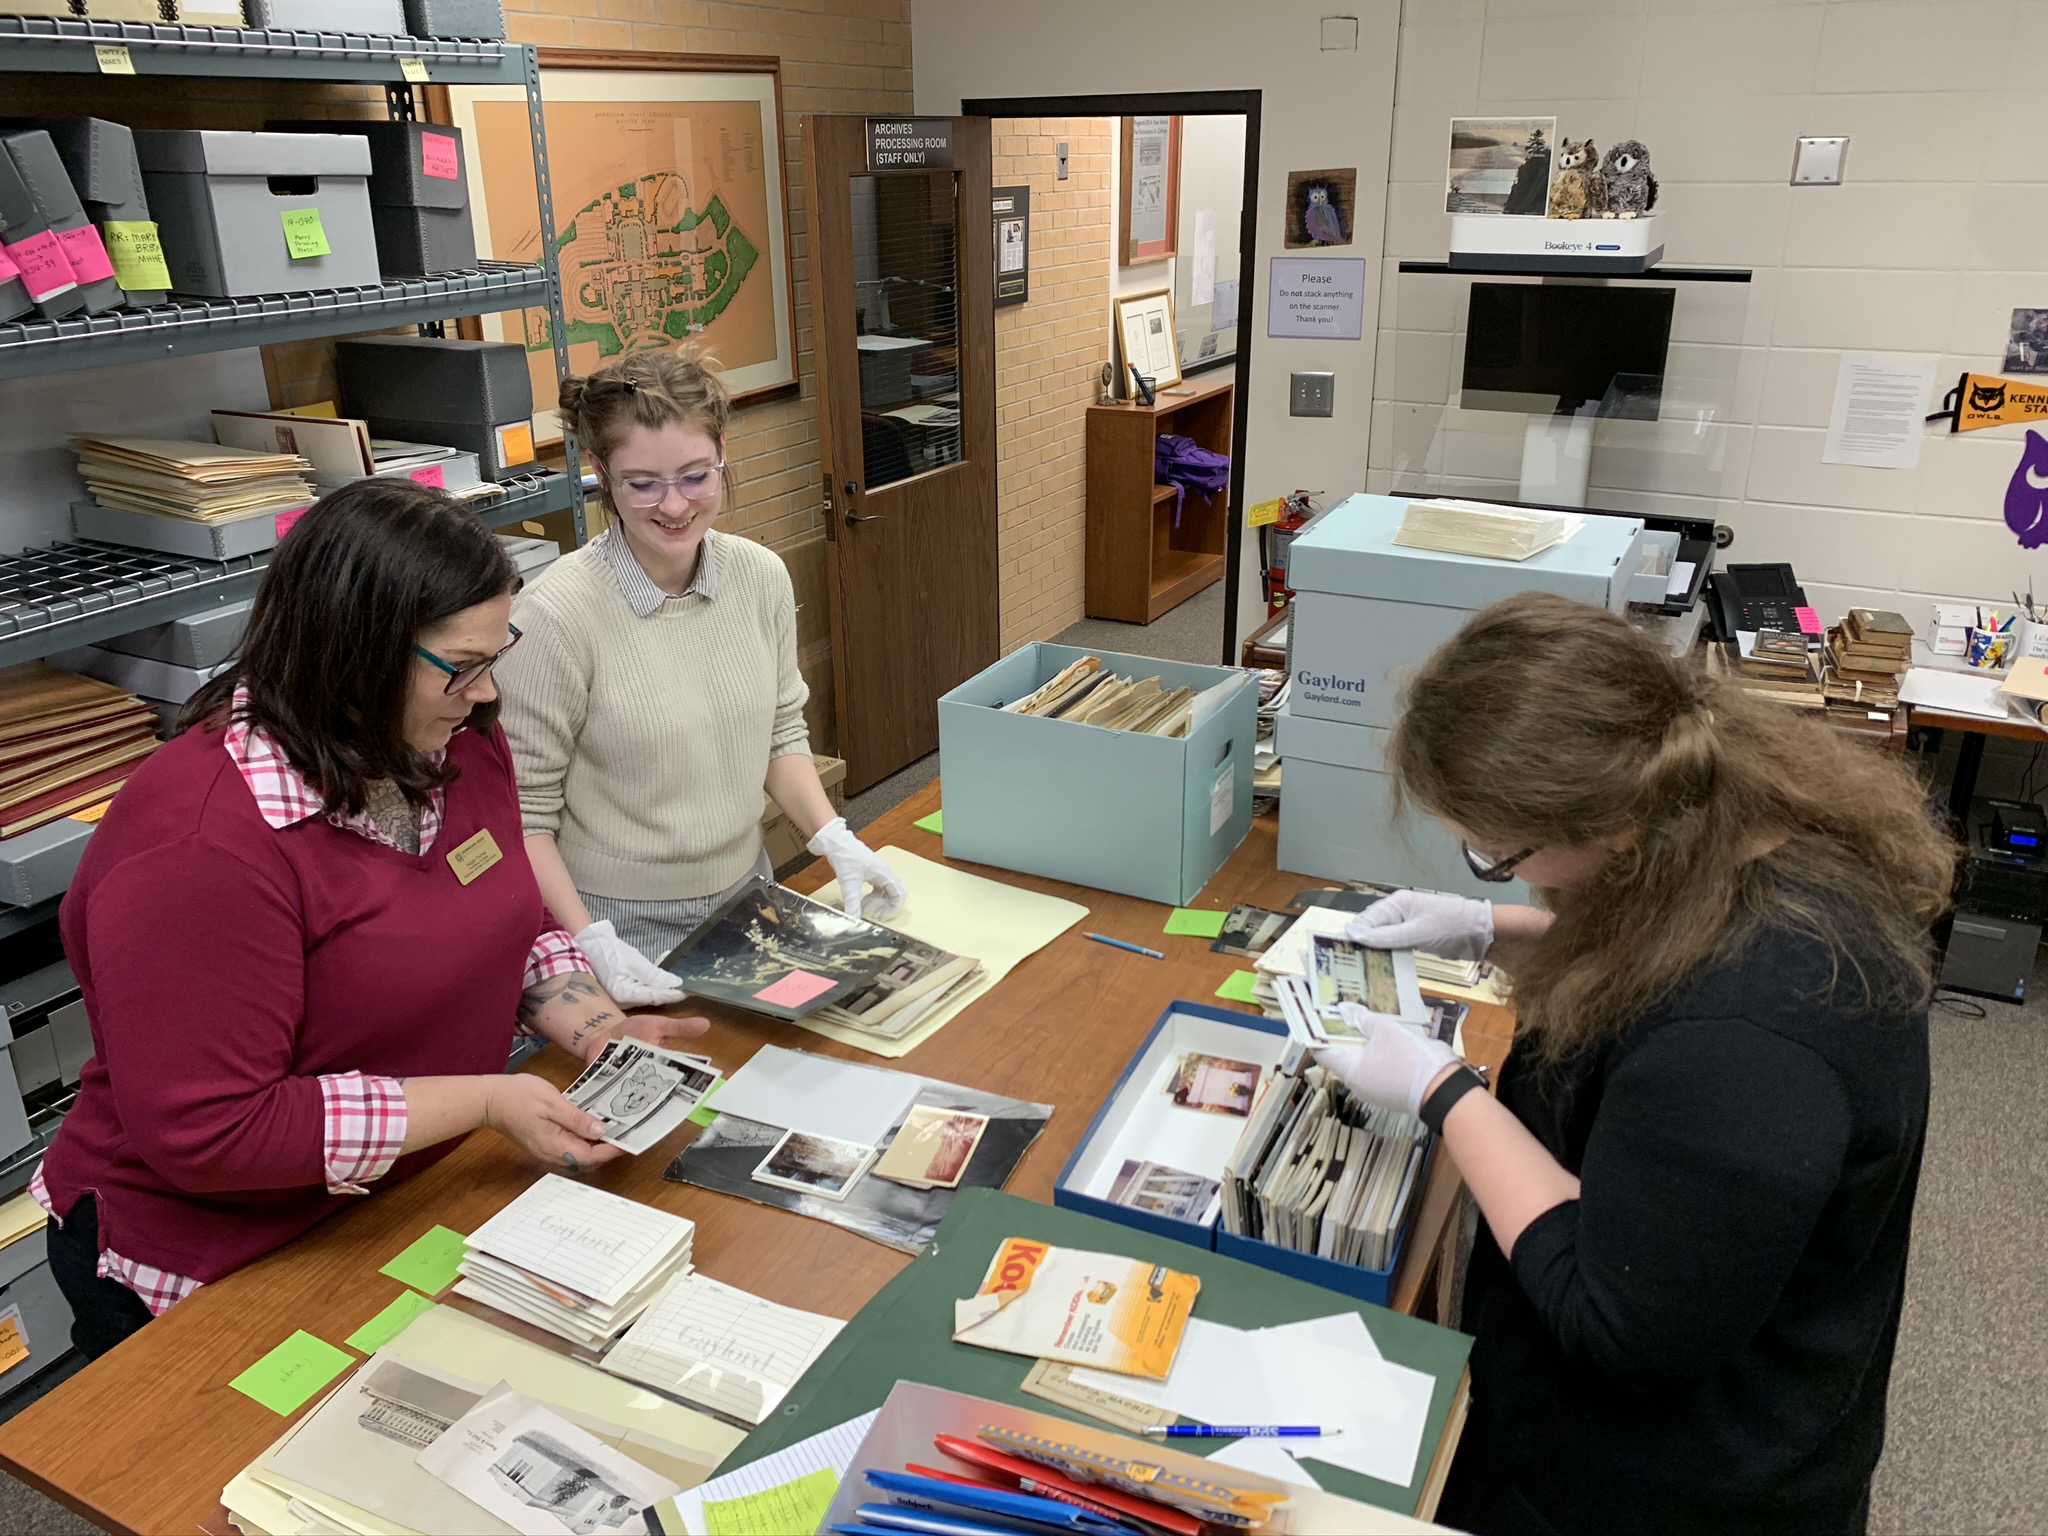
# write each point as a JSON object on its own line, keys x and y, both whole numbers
{"x": 1136, "y": 949}
{"x": 1239, "y": 1431}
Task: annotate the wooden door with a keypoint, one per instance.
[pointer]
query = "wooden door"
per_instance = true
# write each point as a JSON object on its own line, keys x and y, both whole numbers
{"x": 902, "y": 268}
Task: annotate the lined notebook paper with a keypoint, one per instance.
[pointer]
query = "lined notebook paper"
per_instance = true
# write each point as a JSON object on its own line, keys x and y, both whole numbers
{"x": 598, "y": 1244}
{"x": 710, "y": 1343}
{"x": 831, "y": 1450}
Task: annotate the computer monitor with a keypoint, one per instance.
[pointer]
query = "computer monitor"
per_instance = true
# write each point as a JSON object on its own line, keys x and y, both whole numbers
{"x": 1555, "y": 349}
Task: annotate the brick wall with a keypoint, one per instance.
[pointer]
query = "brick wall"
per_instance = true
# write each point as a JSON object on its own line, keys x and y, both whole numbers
{"x": 1049, "y": 353}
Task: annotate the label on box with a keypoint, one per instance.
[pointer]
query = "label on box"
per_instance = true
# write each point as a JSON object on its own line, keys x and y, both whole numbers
{"x": 1261, "y": 513}
{"x": 515, "y": 443}
{"x": 87, "y": 254}
{"x": 8, "y": 269}
{"x": 13, "y": 1339}
{"x": 113, "y": 58}
{"x": 439, "y": 157}
{"x": 414, "y": 68}
{"x": 285, "y": 520}
{"x": 44, "y": 271}
{"x": 1222, "y": 798}
{"x": 1809, "y": 621}
{"x": 137, "y": 252}
{"x": 304, "y": 235}
{"x": 428, "y": 474}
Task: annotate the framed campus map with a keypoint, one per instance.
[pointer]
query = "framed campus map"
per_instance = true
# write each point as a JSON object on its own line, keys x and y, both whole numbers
{"x": 671, "y": 212}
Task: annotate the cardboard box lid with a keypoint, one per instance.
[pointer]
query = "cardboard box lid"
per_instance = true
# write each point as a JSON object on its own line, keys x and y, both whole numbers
{"x": 19, "y": 218}
{"x": 408, "y": 161}
{"x": 99, "y": 157}
{"x": 429, "y": 379}
{"x": 218, "y": 152}
{"x": 1350, "y": 551}
{"x": 43, "y": 177}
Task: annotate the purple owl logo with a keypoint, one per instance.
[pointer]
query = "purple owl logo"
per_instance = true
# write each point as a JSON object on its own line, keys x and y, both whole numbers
{"x": 1321, "y": 218}
{"x": 2026, "y": 498}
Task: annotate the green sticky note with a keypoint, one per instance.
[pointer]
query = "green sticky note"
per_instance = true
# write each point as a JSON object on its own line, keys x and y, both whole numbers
{"x": 704, "y": 1114}
{"x": 137, "y": 253}
{"x": 390, "y": 1323}
{"x": 1238, "y": 989}
{"x": 429, "y": 1263}
{"x": 797, "y": 1506}
{"x": 304, "y": 235}
{"x": 283, "y": 1379}
{"x": 935, "y": 823}
{"x": 1192, "y": 920}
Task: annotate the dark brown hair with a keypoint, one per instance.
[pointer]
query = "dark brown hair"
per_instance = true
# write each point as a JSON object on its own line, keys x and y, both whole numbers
{"x": 328, "y": 654}
{"x": 1546, "y": 723}
{"x": 646, "y": 389}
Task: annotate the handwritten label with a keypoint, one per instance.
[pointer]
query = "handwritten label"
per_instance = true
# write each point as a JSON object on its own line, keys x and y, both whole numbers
{"x": 414, "y": 68}
{"x": 1238, "y": 988}
{"x": 1809, "y": 621}
{"x": 44, "y": 271}
{"x": 8, "y": 270}
{"x": 291, "y": 1373}
{"x": 1222, "y": 800}
{"x": 515, "y": 443}
{"x": 428, "y": 474}
{"x": 430, "y": 1262}
{"x": 113, "y": 58}
{"x": 478, "y": 854}
{"x": 87, "y": 254}
{"x": 440, "y": 156}
{"x": 796, "y": 989}
{"x": 389, "y": 1323}
{"x": 13, "y": 1339}
{"x": 137, "y": 251}
{"x": 286, "y": 521}
{"x": 304, "y": 235}
{"x": 792, "y": 1506}
{"x": 1261, "y": 513}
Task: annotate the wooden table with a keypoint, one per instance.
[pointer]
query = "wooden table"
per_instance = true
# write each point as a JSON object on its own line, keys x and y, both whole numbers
{"x": 145, "y": 1438}
{"x": 1970, "y": 756}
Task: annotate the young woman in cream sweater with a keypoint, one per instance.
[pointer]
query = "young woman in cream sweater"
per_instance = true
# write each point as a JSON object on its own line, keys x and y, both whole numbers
{"x": 656, "y": 693}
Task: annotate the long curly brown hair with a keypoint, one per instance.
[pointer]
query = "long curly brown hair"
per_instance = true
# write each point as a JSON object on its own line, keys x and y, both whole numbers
{"x": 1548, "y": 723}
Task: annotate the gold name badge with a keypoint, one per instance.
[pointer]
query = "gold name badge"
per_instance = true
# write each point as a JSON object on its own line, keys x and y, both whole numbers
{"x": 472, "y": 858}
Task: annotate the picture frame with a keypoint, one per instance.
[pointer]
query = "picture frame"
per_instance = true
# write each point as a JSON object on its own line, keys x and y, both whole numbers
{"x": 677, "y": 154}
{"x": 1145, "y": 337}
{"x": 1500, "y": 165}
{"x": 1148, "y": 200}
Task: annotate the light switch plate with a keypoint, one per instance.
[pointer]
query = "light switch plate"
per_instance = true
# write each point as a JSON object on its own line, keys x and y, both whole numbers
{"x": 1819, "y": 161}
{"x": 1312, "y": 394}
{"x": 1060, "y": 155}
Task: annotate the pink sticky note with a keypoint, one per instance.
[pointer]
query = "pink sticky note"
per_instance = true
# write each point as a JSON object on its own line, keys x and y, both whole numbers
{"x": 43, "y": 267}
{"x": 1809, "y": 621}
{"x": 438, "y": 156}
{"x": 796, "y": 989}
{"x": 86, "y": 252}
{"x": 285, "y": 520}
{"x": 429, "y": 474}
{"x": 7, "y": 267}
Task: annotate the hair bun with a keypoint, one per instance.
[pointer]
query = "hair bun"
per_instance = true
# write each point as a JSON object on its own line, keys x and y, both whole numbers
{"x": 569, "y": 395}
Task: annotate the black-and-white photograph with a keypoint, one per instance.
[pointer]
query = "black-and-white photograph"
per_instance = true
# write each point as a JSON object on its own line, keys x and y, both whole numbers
{"x": 2026, "y": 343}
{"x": 640, "y": 1091}
{"x": 816, "y": 1165}
{"x": 1250, "y": 931}
{"x": 1164, "y": 1191}
{"x": 1500, "y": 165}
{"x": 762, "y": 933}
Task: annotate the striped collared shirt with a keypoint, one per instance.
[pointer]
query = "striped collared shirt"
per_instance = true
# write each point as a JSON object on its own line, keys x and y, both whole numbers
{"x": 638, "y": 588}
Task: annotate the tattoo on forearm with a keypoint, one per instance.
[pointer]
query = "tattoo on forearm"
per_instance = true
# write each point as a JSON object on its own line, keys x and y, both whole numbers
{"x": 591, "y": 1026}
{"x": 570, "y": 986}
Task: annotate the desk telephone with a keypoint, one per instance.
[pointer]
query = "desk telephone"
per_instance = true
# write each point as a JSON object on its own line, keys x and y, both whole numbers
{"x": 1753, "y": 597}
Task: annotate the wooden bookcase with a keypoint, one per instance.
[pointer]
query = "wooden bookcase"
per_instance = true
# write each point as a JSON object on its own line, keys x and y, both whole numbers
{"x": 1140, "y": 562}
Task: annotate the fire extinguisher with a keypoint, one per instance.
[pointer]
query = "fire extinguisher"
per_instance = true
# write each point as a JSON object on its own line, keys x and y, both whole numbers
{"x": 1296, "y": 512}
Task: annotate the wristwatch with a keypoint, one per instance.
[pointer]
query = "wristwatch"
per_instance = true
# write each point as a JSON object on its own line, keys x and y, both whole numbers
{"x": 1448, "y": 1092}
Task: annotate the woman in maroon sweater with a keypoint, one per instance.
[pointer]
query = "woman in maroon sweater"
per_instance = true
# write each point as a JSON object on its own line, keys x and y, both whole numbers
{"x": 306, "y": 929}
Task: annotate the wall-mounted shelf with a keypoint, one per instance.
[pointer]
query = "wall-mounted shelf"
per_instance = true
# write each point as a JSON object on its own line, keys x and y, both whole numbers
{"x": 1564, "y": 266}
{"x": 59, "y": 45}
{"x": 527, "y": 496}
{"x": 190, "y": 326}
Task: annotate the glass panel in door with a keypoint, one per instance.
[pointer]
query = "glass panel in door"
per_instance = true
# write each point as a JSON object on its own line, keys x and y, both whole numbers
{"x": 906, "y": 282}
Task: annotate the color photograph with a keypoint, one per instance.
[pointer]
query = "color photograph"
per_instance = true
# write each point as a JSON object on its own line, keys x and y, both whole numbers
{"x": 1214, "y": 1084}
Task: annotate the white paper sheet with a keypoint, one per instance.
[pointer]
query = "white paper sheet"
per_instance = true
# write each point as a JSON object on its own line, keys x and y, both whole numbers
{"x": 1202, "y": 280}
{"x": 1956, "y": 693}
{"x": 1267, "y": 1458}
{"x": 819, "y": 1094}
{"x": 1880, "y": 410}
{"x": 830, "y": 1450}
{"x": 1680, "y": 579}
{"x": 723, "y": 1347}
{"x": 596, "y": 1243}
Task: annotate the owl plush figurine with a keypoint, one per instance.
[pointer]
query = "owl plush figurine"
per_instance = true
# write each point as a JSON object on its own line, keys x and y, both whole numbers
{"x": 1626, "y": 180}
{"x": 1576, "y": 190}
{"x": 1319, "y": 215}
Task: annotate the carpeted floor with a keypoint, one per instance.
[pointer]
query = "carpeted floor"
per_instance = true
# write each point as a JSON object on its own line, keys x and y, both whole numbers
{"x": 1969, "y": 1399}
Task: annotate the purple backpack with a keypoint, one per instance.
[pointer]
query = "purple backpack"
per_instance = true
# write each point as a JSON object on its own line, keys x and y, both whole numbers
{"x": 1186, "y": 465}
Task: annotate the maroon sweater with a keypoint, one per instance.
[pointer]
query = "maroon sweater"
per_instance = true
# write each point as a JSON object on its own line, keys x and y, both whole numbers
{"x": 227, "y": 965}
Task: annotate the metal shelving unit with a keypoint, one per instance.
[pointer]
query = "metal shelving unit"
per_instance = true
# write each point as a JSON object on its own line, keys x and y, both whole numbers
{"x": 80, "y": 592}
{"x": 59, "y": 45}
{"x": 528, "y": 496}
{"x": 187, "y": 327}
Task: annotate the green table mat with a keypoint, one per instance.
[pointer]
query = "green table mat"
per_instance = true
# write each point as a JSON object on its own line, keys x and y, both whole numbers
{"x": 906, "y": 1332}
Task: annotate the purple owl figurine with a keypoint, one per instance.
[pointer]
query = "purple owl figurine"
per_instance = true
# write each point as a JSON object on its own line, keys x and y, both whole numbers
{"x": 2026, "y": 497}
{"x": 1319, "y": 216}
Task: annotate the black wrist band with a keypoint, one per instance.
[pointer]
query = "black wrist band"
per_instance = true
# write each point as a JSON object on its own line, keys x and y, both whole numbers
{"x": 1452, "y": 1089}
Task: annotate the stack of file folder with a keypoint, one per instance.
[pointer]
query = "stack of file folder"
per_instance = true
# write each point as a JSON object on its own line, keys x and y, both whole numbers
{"x": 200, "y": 482}
{"x": 579, "y": 1262}
{"x": 66, "y": 743}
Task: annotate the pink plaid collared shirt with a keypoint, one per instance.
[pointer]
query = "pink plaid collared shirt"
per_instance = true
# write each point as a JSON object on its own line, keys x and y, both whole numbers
{"x": 364, "y": 1125}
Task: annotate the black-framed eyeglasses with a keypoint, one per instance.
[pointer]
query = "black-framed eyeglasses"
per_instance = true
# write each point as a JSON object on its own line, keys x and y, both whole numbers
{"x": 460, "y": 677}
{"x": 1492, "y": 871}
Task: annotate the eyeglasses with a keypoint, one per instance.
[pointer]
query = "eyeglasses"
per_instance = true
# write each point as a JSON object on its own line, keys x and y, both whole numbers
{"x": 460, "y": 677}
{"x": 1492, "y": 871}
{"x": 649, "y": 491}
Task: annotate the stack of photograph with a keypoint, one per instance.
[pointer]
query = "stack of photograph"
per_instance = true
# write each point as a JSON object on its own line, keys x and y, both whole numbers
{"x": 1322, "y": 1173}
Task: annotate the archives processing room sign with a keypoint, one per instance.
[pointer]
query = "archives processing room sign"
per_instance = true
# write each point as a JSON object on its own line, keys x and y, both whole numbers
{"x": 910, "y": 143}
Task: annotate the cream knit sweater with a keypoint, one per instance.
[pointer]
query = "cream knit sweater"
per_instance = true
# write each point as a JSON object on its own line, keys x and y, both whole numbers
{"x": 642, "y": 744}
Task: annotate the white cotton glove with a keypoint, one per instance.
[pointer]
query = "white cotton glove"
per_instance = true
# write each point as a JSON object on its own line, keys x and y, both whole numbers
{"x": 1453, "y": 927}
{"x": 1394, "y": 1067}
{"x": 633, "y": 980}
{"x": 868, "y": 887}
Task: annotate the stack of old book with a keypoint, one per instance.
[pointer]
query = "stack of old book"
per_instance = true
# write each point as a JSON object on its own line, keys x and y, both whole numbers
{"x": 201, "y": 482}
{"x": 66, "y": 743}
{"x": 1868, "y": 653}
{"x": 1780, "y": 667}
{"x": 1088, "y": 693}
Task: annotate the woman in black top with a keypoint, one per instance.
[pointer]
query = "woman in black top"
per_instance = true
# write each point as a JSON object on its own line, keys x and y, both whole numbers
{"x": 1698, "y": 1178}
